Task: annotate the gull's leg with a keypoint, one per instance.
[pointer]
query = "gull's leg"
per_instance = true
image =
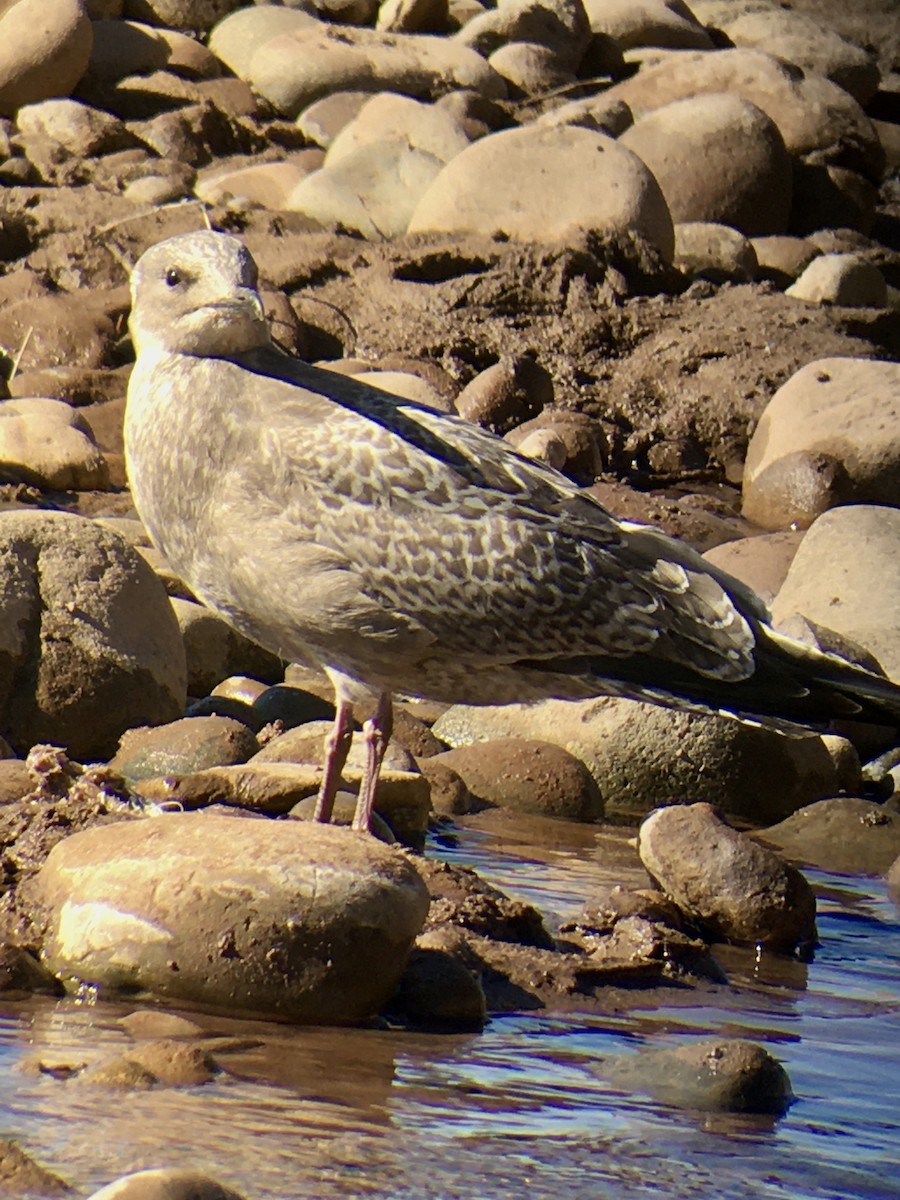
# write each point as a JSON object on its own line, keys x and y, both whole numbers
{"x": 337, "y": 747}
{"x": 376, "y": 732}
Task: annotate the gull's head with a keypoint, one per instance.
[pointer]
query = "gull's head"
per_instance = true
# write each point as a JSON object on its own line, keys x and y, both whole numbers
{"x": 196, "y": 294}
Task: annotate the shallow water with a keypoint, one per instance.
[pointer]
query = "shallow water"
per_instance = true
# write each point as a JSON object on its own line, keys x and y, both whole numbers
{"x": 522, "y": 1108}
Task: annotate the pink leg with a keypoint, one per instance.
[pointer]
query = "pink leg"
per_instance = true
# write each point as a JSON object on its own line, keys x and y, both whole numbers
{"x": 376, "y": 731}
{"x": 337, "y": 747}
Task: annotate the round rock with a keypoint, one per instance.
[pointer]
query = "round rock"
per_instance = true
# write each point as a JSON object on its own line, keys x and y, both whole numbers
{"x": 89, "y": 645}
{"x": 844, "y": 279}
{"x": 191, "y": 744}
{"x": 44, "y": 50}
{"x": 736, "y": 889}
{"x": 310, "y": 923}
{"x": 166, "y": 1183}
{"x": 506, "y": 394}
{"x": 719, "y": 253}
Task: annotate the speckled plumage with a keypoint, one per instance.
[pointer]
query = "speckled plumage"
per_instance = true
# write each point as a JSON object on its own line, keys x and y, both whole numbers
{"x": 405, "y": 550}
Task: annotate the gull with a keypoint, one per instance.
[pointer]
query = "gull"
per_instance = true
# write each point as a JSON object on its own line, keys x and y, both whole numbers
{"x": 407, "y": 551}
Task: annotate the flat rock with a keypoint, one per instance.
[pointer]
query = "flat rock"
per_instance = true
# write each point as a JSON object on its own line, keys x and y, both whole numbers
{"x": 736, "y": 889}
{"x": 845, "y": 408}
{"x": 846, "y": 577}
{"x": 718, "y": 158}
{"x": 191, "y": 744}
{"x": 844, "y": 834}
{"x": 541, "y": 184}
{"x": 310, "y": 923}
{"x": 89, "y": 645}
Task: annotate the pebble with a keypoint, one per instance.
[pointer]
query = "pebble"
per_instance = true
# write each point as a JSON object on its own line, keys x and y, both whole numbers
{"x": 44, "y": 51}
{"x": 506, "y": 394}
{"x": 746, "y": 178}
{"x": 737, "y": 890}
{"x": 846, "y": 409}
{"x": 845, "y": 835}
{"x": 180, "y": 747}
{"x": 846, "y": 576}
{"x": 539, "y": 184}
{"x": 705, "y": 250}
{"x": 82, "y": 131}
{"x": 166, "y": 1183}
{"x": 80, "y": 606}
{"x": 844, "y": 279}
{"x": 709, "y": 1075}
{"x": 527, "y": 776}
{"x": 310, "y": 923}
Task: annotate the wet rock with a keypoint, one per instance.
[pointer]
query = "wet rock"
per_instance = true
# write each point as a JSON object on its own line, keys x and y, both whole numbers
{"x": 715, "y": 252}
{"x": 580, "y": 447}
{"x": 293, "y": 69}
{"x": 291, "y": 706}
{"x": 22, "y": 975}
{"x": 45, "y": 444}
{"x": 846, "y": 409}
{"x": 174, "y": 1063}
{"x": 734, "y": 1076}
{"x": 538, "y": 184}
{"x": 844, "y": 834}
{"x": 844, "y": 279}
{"x": 666, "y": 23}
{"x": 527, "y": 776}
{"x": 43, "y": 52}
{"x": 214, "y": 650}
{"x": 437, "y": 991}
{"x": 761, "y": 562}
{"x": 753, "y": 773}
{"x": 21, "y": 1175}
{"x": 88, "y": 641}
{"x": 893, "y": 876}
{"x": 746, "y": 180}
{"x": 846, "y": 577}
{"x": 156, "y": 1023}
{"x": 167, "y": 1183}
{"x": 449, "y": 795}
{"x": 311, "y": 923}
{"x": 507, "y": 394}
{"x": 191, "y": 744}
{"x": 460, "y": 899}
{"x": 733, "y": 887}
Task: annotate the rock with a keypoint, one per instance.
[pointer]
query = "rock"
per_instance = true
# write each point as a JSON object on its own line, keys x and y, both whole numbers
{"x": 761, "y": 562}
{"x": 752, "y": 773}
{"x": 265, "y": 184}
{"x": 22, "y": 975}
{"x": 745, "y": 180}
{"x": 558, "y": 26}
{"x": 813, "y": 115}
{"x": 44, "y": 51}
{"x": 796, "y": 489}
{"x": 215, "y": 650}
{"x": 437, "y": 991}
{"x": 845, "y": 835}
{"x": 291, "y": 706}
{"x": 191, "y": 744}
{"x": 321, "y": 121}
{"x": 527, "y": 776}
{"x": 733, "y": 1076}
{"x": 199, "y": 16}
{"x": 893, "y": 877}
{"x": 580, "y": 445}
{"x": 309, "y": 923}
{"x": 542, "y": 184}
{"x": 830, "y": 197}
{"x": 294, "y": 69}
{"x": 449, "y": 795}
{"x": 15, "y": 780}
{"x": 123, "y": 48}
{"x": 506, "y": 394}
{"x": 167, "y": 1183}
{"x": 736, "y": 889}
{"x": 782, "y": 258}
{"x": 531, "y": 70}
{"x": 174, "y": 1063}
{"x": 800, "y": 39}
{"x": 157, "y": 1023}
{"x": 21, "y": 1175}
{"x": 44, "y": 443}
{"x": 81, "y": 130}
{"x": 845, "y": 409}
{"x": 611, "y": 117}
{"x": 668, "y": 23}
{"x": 430, "y": 128}
{"x": 412, "y": 16}
{"x": 88, "y": 641}
{"x": 407, "y": 386}
{"x": 305, "y": 744}
{"x": 57, "y": 329}
{"x": 343, "y": 813}
{"x": 715, "y": 252}
{"x": 844, "y": 279}
{"x": 236, "y": 39}
{"x": 846, "y": 576}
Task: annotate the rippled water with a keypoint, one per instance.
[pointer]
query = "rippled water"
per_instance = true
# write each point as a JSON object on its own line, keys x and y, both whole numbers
{"x": 521, "y": 1109}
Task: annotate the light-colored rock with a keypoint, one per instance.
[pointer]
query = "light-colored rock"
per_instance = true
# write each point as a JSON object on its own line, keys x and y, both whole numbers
{"x": 844, "y": 834}
{"x": 752, "y": 773}
{"x": 611, "y": 117}
{"x": 96, "y": 628}
{"x": 215, "y": 650}
{"x": 667, "y": 23}
{"x": 845, "y": 408}
{"x": 190, "y": 744}
{"x": 800, "y": 39}
{"x": 236, "y": 39}
{"x": 530, "y": 69}
{"x": 781, "y": 257}
{"x": 80, "y": 129}
{"x": 44, "y": 443}
{"x": 717, "y": 158}
{"x": 844, "y": 279}
{"x": 44, "y": 50}
{"x": 311, "y": 923}
{"x": 123, "y": 48}
{"x": 706, "y": 250}
{"x": 796, "y": 489}
{"x": 846, "y": 576}
{"x": 405, "y": 384}
{"x": 560, "y": 26}
{"x": 812, "y": 113}
{"x": 322, "y": 121}
{"x": 166, "y": 1183}
{"x": 390, "y": 117}
{"x": 267, "y": 184}
{"x": 761, "y": 562}
{"x": 413, "y": 16}
{"x": 543, "y": 184}
{"x": 294, "y": 69}
{"x": 198, "y": 16}
{"x": 736, "y": 889}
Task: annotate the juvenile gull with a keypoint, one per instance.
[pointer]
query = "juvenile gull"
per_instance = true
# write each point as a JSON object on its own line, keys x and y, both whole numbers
{"x": 407, "y": 551}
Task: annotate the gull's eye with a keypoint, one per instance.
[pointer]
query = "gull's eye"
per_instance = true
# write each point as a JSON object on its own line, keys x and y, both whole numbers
{"x": 174, "y": 277}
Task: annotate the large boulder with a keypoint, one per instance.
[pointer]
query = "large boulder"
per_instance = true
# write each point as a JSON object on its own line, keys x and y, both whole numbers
{"x": 44, "y": 50}
{"x": 312, "y": 923}
{"x": 89, "y": 645}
